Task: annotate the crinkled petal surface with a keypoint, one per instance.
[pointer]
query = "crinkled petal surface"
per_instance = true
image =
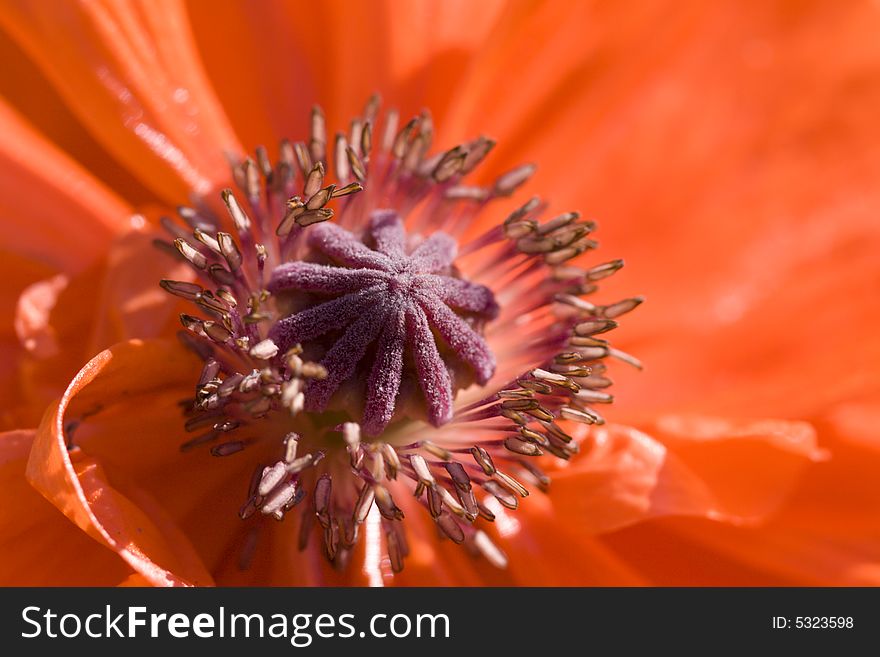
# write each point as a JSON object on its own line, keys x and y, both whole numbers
{"x": 116, "y": 384}
{"x": 736, "y": 472}
{"x": 62, "y": 321}
{"x": 41, "y": 547}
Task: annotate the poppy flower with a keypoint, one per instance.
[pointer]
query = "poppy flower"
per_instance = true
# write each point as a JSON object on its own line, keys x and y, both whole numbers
{"x": 394, "y": 351}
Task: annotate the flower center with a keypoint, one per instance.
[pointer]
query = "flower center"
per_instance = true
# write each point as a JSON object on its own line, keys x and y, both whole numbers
{"x": 356, "y": 355}
{"x": 387, "y": 316}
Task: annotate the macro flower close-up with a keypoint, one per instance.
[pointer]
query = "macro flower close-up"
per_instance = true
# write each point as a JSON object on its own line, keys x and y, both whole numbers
{"x": 429, "y": 293}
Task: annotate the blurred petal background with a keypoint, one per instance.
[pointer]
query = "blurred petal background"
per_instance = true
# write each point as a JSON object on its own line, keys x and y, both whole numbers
{"x": 729, "y": 152}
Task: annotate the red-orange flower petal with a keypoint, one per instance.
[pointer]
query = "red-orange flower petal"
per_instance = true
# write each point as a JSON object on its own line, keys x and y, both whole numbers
{"x": 18, "y": 272}
{"x": 52, "y": 210}
{"x": 710, "y": 467}
{"x": 138, "y": 86}
{"x": 40, "y": 547}
{"x": 412, "y": 54}
{"x": 111, "y": 510}
{"x": 61, "y": 322}
{"x": 827, "y": 533}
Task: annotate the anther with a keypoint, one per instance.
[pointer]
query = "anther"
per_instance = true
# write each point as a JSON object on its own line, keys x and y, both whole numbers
{"x": 594, "y": 396}
{"x": 621, "y": 307}
{"x": 319, "y": 199}
{"x": 278, "y": 498}
{"x": 458, "y": 474}
{"x": 364, "y": 503}
{"x": 339, "y": 157}
{"x": 435, "y": 503}
{"x": 357, "y": 166}
{"x": 485, "y": 513}
{"x": 503, "y": 495}
{"x": 594, "y": 327}
{"x": 511, "y": 483}
{"x": 481, "y": 456}
{"x": 578, "y": 415}
{"x": 557, "y": 222}
{"x": 318, "y": 142}
{"x": 264, "y": 350}
{"x": 314, "y": 181}
{"x": 450, "y": 163}
{"x": 395, "y": 541}
{"x": 522, "y": 447}
{"x": 421, "y": 469}
{"x": 314, "y": 217}
{"x": 436, "y": 450}
{"x": 299, "y": 464}
{"x": 182, "y": 289}
{"x": 206, "y": 239}
{"x": 385, "y": 504}
{"x": 239, "y": 218}
{"x": 188, "y": 251}
{"x": 603, "y": 271}
{"x": 291, "y": 443}
{"x": 216, "y": 332}
{"x": 323, "y": 491}
{"x": 350, "y": 188}
{"x": 229, "y": 249}
{"x": 227, "y": 449}
{"x": 392, "y": 461}
{"x": 508, "y": 182}
{"x": 450, "y": 527}
{"x": 451, "y": 502}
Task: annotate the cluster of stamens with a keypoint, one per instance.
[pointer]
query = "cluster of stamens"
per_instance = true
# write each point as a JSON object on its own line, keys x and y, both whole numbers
{"x": 342, "y": 345}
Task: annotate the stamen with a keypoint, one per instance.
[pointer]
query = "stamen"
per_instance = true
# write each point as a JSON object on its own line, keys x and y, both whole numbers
{"x": 264, "y": 350}
{"x": 350, "y": 337}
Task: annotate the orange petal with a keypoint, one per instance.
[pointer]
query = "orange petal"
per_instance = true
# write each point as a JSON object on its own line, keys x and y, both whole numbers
{"x": 32, "y": 316}
{"x": 121, "y": 515}
{"x": 544, "y": 549}
{"x": 792, "y": 344}
{"x": 131, "y": 303}
{"x": 828, "y": 532}
{"x": 737, "y": 307}
{"x": 337, "y": 53}
{"x": 268, "y": 97}
{"x": 825, "y": 535}
{"x": 52, "y": 210}
{"x": 433, "y": 47}
{"x": 53, "y": 320}
{"x": 666, "y": 557}
{"x": 733, "y": 471}
{"x": 780, "y": 554}
{"x": 40, "y": 547}
{"x": 23, "y": 87}
{"x": 750, "y": 467}
{"x": 18, "y": 273}
{"x": 574, "y": 52}
{"x": 131, "y": 73}
{"x": 61, "y": 322}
